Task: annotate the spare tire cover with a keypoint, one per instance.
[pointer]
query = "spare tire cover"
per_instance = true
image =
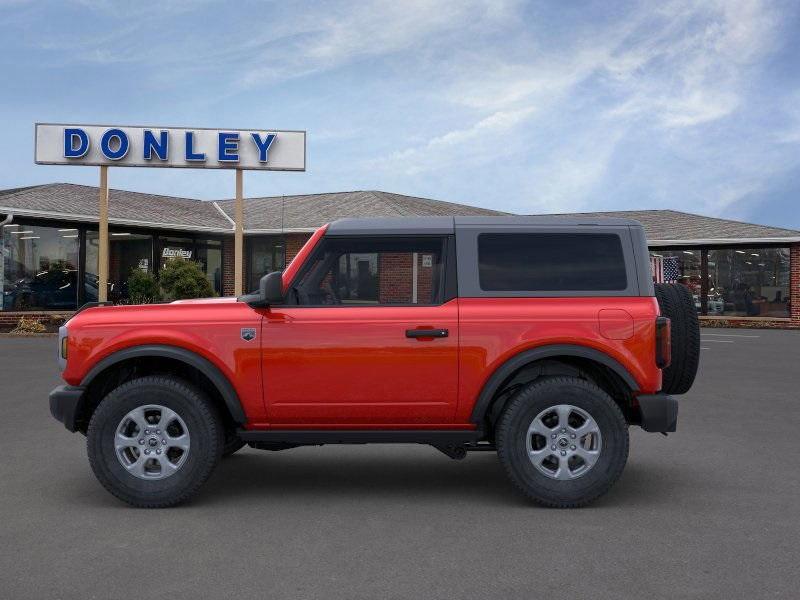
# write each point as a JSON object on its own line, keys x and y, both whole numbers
{"x": 677, "y": 304}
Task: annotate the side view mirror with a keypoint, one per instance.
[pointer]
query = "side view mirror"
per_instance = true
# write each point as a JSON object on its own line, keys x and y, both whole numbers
{"x": 271, "y": 287}
{"x": 270, "y": 291}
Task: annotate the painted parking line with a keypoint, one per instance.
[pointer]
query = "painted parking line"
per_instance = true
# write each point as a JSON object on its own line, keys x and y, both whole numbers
{"x": 719, "y": 341}
{"x": 729, "y": 335}
{"x": 702, "y": 348}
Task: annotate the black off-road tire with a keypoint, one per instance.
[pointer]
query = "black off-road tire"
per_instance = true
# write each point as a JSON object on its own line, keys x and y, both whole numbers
{"x": 676, "y": 303}
{"x": 233, "y": 443}
{"x": 202, "y": 421}
{"x": 512, "y": 430}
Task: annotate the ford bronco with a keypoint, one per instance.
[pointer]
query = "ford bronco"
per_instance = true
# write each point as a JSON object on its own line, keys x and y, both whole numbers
{"x": 540, "y": 338}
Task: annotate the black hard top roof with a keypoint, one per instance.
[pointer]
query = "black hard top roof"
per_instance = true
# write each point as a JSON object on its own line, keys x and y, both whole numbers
{"x": 447, "y": 225}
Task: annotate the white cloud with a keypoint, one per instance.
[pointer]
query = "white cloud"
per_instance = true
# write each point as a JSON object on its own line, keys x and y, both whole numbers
{"x": 477, "y": 143}
{"x": 564, "y": 178}
{"x": 681, "y": 66}
{"x": 694, "y": 70}
{"x": 527, "y": 106}
{"x": 684, "y": 63}
{"x": 330, "y": 38}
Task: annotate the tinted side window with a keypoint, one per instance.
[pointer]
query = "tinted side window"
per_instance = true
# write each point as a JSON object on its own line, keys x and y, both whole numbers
{"x": 551, "y": 262}
{"x": 366, "y": 271}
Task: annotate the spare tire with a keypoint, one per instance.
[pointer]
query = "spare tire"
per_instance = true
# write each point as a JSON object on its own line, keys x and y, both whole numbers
{"x": 677, "y": 304}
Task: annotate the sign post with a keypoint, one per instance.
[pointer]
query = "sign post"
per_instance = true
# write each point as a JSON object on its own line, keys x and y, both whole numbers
{"x": 103, "y": 254}
{"x": 238, "y": 241}
{"x": 176, "y": 147}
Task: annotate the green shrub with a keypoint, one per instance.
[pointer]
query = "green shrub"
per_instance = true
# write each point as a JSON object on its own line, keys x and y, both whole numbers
{"x": 182, "y": 279}
{"x": 143, "y": 287}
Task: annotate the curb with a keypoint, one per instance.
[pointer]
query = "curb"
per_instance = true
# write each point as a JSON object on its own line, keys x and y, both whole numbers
{"x": 24, "y": 335}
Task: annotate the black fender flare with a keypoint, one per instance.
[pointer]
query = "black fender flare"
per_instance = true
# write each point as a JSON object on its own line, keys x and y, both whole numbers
{"x": 205, "y": 366}
{"x": 525, "y": 357}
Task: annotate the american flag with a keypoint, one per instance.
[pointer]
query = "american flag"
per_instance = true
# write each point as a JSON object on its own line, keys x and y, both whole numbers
{"x": 665, "y": 269}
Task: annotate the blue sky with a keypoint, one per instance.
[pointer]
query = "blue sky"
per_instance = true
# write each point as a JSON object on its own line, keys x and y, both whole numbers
{"x": 529, "y": 107}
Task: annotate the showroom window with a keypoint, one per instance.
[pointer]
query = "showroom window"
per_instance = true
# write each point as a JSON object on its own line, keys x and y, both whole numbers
{"x": 264, "y": 255}
{"x": 736, "y": 281}
{"x": 206, "y": 252}
{"x": 128, "y": 251}
{"x": 176, "y": 247}
{"x": 749, "y": 282}
{"x": 39, "y": 267}
{"x": 209, "y": 255}
{"x": 679, "y": 266}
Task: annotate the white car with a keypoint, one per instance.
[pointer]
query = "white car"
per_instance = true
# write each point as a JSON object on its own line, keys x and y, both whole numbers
{"x": 715, "y": 305}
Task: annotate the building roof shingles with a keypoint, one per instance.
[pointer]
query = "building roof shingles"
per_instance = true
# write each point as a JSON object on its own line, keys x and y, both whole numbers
{"x": 672, "y": 225}
{"x": 70, "y": 201}
{"x": 306, "y": 212}
{"x": 313, "y": 210}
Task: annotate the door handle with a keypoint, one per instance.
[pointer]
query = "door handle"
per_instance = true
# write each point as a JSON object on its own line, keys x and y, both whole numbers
{"x": 427, "y": 333}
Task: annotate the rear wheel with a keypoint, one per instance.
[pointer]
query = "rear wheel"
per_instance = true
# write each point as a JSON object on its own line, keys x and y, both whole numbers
{"x": 154, "y": 441}
{"x": 563, "y": 441}
{"x": 676, "y": 302}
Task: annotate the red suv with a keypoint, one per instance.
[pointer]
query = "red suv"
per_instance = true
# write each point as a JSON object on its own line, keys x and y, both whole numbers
{"x": 540, "y": 338}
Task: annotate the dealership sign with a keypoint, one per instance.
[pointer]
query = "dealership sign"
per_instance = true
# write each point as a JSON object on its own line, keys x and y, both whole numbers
{"x": 176, "y": 253}
{"x": 110, "y": 145}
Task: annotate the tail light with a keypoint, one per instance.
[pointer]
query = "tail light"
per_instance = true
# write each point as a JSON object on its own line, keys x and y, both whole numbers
{"x": 663, "y": 342}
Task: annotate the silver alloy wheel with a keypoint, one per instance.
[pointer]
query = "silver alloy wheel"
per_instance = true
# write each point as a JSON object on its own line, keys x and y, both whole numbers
{"x": 564, "y": 442}
{"x": 152, "y": 442}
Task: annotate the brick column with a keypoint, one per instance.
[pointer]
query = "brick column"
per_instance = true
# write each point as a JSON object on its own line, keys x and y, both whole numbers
{"x": 394, "y": 274}
{"x": 794, "y": 283}
{"x": 228, "y": 285}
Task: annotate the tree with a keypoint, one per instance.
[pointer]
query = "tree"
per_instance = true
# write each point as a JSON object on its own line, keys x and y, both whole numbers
{"x": 182, "y": 279}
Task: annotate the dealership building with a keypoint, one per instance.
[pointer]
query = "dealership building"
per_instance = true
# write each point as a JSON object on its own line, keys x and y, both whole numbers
{"x": 740, "y": 274}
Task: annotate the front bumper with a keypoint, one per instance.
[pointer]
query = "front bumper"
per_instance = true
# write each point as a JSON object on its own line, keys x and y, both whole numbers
{"x": 659, "y": 412}
{"x": 65, "y": 403}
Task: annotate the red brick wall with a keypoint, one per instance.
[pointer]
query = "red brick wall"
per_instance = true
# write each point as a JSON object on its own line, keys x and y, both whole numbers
{"x": 395, "y": 274}
{"x": 294, "y": 241}
{"x": 394, "y": 278}
{"x": 44, "y": 317}
{"x": 228, "y": 266}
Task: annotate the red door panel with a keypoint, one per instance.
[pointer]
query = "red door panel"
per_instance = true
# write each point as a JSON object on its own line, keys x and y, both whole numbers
{"x": 334, "y": 366}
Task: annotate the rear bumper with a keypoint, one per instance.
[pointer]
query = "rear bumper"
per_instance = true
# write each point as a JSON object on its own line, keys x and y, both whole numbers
{"x": 659, "y": 412}
{"x": 65, "y": 402}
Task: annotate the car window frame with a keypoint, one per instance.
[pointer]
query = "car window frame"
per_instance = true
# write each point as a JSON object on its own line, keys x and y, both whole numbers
{"x": 445, "y": 291}
{"x": 469, "y": 272}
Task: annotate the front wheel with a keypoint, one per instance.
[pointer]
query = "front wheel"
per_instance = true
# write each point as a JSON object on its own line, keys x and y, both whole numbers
{"x": 563, "y": 441}
{"x": 154, "y": 441}
{"x": 233, "y": 443}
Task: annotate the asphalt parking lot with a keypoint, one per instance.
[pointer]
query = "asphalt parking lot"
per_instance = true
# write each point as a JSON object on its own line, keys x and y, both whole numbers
{"x": 712, "y": 511}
